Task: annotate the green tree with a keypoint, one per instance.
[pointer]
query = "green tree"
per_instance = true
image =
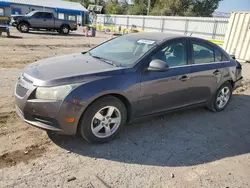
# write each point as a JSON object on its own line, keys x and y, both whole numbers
{"x": 203, "y": 7}
{"x": 114, "y": 7}
{"x": 157, "y": 7}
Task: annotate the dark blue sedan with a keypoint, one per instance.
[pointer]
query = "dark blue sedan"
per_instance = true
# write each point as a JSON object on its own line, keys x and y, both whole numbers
{"x": 133, "y": 76}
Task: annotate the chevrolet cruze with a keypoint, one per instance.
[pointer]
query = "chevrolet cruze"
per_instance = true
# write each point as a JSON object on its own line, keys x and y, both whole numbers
{"x": 95, "y": 93}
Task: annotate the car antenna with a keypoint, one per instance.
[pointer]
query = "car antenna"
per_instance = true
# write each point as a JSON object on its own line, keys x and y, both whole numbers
{"x": 193, "y": 31}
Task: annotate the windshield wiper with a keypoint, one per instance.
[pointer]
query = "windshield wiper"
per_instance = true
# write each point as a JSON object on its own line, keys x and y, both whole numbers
{"x": 105, "y": 60}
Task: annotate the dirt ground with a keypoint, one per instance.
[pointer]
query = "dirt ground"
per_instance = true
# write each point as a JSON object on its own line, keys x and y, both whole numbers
{"x": 194, "y": 148}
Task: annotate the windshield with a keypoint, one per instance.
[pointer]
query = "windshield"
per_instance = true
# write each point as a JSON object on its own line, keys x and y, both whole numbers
{"x": 123, "y": 51}
{"x": 30, "y": 14}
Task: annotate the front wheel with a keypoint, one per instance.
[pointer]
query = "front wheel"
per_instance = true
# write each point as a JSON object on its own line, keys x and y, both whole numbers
{"x": 24, "y": 28}
{"x": 103, "y": 120}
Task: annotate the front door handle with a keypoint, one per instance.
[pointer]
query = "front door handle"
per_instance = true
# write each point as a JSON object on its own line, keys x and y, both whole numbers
{"x": 184, "y": 78}
{"x": 216, "y": 72}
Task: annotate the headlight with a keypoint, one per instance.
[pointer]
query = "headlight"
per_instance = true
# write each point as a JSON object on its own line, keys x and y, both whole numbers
{"x": 54, "y": 93}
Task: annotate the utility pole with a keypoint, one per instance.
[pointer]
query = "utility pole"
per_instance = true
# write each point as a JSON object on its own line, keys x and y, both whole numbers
{"x": 149, "y": 2}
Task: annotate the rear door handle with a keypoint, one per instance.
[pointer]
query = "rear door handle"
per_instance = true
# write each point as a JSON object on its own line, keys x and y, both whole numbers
{"x": 184, "y": 78}
{"x": 216, "y": 72}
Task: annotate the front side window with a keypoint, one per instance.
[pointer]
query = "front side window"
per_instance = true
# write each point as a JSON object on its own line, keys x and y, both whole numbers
{"x": 202, "y": 53}
{"x": 174, "y": 54}
{"x": 47, "y": 15}
{"x": 38, "y": 15}
{"x": 123, "y": 51}
{"x": 1, "y": 12}
{"x": 32, "y": 13}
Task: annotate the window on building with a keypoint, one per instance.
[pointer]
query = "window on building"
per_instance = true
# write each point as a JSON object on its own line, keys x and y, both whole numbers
{"x": 202, "y": 53}
{"x": 71, "y": 17}
{"x": 79, "y": 19}
{"x": 61, "y": 16}
{"x": 1, "y": 12}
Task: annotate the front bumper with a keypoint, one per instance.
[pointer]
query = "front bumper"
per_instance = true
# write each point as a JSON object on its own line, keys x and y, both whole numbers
{"x": 46, "y": 114}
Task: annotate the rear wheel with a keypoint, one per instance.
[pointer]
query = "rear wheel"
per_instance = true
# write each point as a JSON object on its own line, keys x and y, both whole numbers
{"x": 222, "y": 97}
{"x": 24, "y": 27}
{"x": 65, "y": 29}
{"x": 103, "y": 120}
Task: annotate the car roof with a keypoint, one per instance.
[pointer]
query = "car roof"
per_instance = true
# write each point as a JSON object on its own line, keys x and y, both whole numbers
{"x": 159, "y": 37}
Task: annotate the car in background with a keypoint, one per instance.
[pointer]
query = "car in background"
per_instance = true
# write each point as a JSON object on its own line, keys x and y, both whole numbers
{"x": 4, "y": 25}
{"x": 136, "y": 75}
{"x": 43, "y": 20}
{"x": 13, "y": 20}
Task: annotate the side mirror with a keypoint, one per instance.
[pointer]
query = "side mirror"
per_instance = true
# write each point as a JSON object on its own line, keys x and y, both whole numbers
{"x": 233, "y": 56}
{"x": 158, "y": 65}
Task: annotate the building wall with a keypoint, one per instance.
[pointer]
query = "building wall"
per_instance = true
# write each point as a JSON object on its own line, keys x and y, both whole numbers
{"x": 24, "y": 9}
{"x": 7, "y": 11}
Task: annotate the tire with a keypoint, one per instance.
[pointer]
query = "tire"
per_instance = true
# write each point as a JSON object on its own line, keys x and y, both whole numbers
{"x": 24, "y": 28}
{"x": 103, "y": 129}
{"x": 217, "y": 103}
{"x": 65, "y": 30}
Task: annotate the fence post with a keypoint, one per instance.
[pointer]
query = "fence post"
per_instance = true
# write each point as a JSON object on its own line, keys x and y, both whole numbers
{"x": 186, "y": 27}
{"x": 162, "y": 24}
{"x": 114, "y": 20}
{"x": 215, "y": 28}
{"x": 127, "y": 22}
{"x": 143, "y": 23}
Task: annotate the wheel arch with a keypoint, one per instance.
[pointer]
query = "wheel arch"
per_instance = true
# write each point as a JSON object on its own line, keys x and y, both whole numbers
{"x": 24, "y": 21}
{"x": 65, "y": 24}
{"x": 121, "y": 97}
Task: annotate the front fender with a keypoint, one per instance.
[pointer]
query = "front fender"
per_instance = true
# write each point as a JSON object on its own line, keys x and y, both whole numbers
{"x": 126, "y": 85}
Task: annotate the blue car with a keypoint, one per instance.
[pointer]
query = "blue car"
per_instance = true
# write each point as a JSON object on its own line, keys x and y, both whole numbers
{"x": 95, "y": 93}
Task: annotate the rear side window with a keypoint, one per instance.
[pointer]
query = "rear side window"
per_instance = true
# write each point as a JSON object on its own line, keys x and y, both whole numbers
{"x": 203, "y": 53}
{"x": 219, "y": 56}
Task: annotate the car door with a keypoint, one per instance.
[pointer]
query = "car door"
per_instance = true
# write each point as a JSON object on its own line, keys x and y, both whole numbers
{"x": 48, "y": 19}
{"x": 162, "y": 91}
{"x": 207, "y": 69}
{"x": 37, "y": 20}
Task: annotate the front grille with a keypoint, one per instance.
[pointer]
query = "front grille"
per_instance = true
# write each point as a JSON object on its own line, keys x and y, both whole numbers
{"x": 26, "y": 79}
{"x": 20, "y": 90}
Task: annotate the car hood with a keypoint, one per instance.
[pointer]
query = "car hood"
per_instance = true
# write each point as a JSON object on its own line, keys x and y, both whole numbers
{"x": 60, "y": 69}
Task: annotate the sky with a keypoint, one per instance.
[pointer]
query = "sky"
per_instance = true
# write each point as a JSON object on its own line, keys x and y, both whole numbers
{"x": 234, "y": 5}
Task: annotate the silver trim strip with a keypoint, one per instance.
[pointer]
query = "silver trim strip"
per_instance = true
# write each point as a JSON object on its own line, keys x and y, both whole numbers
{"x": 199, "y": 64}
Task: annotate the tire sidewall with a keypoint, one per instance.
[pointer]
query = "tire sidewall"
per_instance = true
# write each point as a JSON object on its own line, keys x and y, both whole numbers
{"x": 85, "y": 125}
{"x": 20, "y": 28}
{"x": 227, "y": 84}
{"x": 62, "y": 32}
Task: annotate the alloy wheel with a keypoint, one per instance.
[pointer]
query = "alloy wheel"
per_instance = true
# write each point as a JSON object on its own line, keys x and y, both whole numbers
{"x": 223, "y": 97}
{"x": 106, "y": 121}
